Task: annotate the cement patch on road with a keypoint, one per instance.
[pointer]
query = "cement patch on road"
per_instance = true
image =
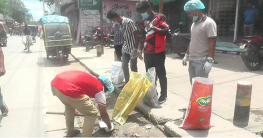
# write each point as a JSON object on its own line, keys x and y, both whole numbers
{"x": 163, "y": 114}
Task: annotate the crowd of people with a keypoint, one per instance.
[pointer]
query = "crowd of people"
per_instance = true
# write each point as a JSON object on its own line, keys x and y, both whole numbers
{"x": 75, "y": 88}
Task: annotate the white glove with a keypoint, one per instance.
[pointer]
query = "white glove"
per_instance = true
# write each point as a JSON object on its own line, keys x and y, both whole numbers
{"x": 185, "y": 59}
{"x": 109, "y": 130}
{"x": 134, "y": 53}
{"x": 148, "y": 24}
{"x": 208, "y": 65}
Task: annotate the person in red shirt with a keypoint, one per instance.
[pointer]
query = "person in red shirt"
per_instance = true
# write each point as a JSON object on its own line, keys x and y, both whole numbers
{"x": 154, "y": 31}
{"x": 74, "y": 89}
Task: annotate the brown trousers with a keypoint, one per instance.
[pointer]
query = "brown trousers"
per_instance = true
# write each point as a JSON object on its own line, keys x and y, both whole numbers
{"x": 84, "y": 105}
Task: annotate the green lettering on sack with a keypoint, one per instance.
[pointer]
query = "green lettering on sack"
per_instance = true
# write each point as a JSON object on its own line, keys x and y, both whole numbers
{"x": 204, "y": 101}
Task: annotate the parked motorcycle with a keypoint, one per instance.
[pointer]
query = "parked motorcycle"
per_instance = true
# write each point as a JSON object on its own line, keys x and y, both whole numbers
{"x": 3, "y": 42}
{"x": 253, "y": 57}
{"x": 109, "y": 42}
{"x": 177, "y": 42}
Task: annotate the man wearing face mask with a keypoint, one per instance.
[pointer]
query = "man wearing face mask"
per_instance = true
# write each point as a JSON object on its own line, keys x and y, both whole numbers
{"x": 131, "y": 41}
{"x": 203, "y": 41}
{"x": 154, "y": 31}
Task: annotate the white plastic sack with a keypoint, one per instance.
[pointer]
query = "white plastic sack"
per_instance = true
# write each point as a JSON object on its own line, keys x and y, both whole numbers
{"x": 151, "y": 97}
{"x": 24, "y": 40}
{"x": 117, "y": 75}
{"x": 29, "y": 39}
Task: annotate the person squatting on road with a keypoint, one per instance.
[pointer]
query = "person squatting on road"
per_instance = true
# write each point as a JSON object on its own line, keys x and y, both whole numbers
{"x": 203, "y": 40}
{"x": 74, "y": 89}
{"x": 3, "y": 106}
{"x": 154, "y": 31}
{"x": 118, "y": 40}
{"x": 131, "y": 41}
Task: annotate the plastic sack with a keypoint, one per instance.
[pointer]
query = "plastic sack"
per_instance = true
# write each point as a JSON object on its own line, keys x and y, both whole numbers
{"x": 199, "y": 110}
{"x": 24, "y": 40}
{"x": 117, "y": 75}
{"x": 151, "y": 97}
{"x": 130, "y": 96}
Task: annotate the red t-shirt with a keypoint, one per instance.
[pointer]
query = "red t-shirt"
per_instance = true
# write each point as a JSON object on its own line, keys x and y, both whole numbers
{"x": 77, "y": 84}
{"x": 155, "y": 43}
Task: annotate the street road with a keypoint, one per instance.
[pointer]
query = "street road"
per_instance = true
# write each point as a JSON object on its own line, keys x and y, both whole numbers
{"x": 26, "y": 90}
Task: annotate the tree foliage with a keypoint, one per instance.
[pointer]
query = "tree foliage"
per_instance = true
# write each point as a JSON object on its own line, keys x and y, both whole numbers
{"x": 3, "y": 7}
{"x": 16, "y": 10}
{"x": 48, "y": 2}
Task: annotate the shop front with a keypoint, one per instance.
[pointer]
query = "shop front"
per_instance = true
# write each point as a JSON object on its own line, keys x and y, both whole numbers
{"x": 174, "y": 11}
{"x": 230, "y": 14}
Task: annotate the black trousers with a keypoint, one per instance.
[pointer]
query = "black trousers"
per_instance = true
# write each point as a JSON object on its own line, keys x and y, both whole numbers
{"x": 126, "y": 58}
{"x": 118, "y": 51}
{"x": 157, "y": 61}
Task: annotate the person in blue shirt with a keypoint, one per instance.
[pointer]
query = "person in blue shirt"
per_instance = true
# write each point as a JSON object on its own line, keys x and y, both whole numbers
{"x": 250, "y": 15}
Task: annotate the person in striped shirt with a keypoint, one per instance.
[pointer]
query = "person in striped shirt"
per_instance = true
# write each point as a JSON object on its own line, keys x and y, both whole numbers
{"x": 131, "y": 41}
{"x": 118, "y": 40}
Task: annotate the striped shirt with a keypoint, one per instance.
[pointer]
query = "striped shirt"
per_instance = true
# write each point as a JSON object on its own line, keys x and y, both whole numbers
{"x": 127, "y": 29}
{"x": 118, "y": 38}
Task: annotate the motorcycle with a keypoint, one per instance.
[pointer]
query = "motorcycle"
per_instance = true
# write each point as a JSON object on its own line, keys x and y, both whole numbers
{"x": 109, "y": 40}
{"x": 177, "y": 41}
{"x": 3, "y": 42}
{"x": 253, "y": 57}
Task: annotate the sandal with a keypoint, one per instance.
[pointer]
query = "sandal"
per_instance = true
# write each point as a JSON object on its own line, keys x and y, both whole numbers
{"x": 4, "y": 110}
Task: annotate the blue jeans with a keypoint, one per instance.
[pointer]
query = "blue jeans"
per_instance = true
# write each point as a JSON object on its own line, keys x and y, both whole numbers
{"x": 2, "y": 103}
{"x": 196, "y": 69}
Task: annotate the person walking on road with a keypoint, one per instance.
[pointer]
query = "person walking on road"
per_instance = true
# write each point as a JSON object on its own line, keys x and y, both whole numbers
{"x": 154, "y": 31}
{"x": 131, "y": 41}
{"x": 250, "y": 16}
{"x": 27, "y": 32}
{"x": 74, "y": 89}
{"x": 201, "y": 49}
{"x": 118, "y": 40}
{"x": 3, "y": 106}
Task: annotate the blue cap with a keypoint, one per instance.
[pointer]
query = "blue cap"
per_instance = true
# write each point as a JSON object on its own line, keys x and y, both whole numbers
{"x": 194, "y": 5}
{"x": 106, "y": 82}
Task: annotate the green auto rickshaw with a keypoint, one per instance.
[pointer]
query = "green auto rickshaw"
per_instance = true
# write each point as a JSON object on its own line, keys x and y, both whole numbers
{"x": 57, "y": 37}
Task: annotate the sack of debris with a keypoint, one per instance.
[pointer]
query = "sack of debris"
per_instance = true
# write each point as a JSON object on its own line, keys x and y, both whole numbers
{"x": 130, "y": 96}
{"x": 24, "y": 40}
{"x": 199, "y": 109}
{"x": 151, "y": 97}
{"x": 117, "y": 75}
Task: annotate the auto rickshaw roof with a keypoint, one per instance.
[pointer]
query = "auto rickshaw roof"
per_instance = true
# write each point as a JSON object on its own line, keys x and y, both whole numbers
{"x": 54, "y": 19}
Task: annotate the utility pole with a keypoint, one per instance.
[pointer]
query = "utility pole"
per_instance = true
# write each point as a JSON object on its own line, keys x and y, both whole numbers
{"x": 161, "y": 6}
{"x": 57, "y": 7}
{"x": 44, "y": 11}
{"x": 102, "y": 29}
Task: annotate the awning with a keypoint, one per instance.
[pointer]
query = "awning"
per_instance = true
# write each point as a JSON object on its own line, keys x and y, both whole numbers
{"x": 156, "y": 2}
{"x": 54, "y": 19}
{"x": 66, "y": 5}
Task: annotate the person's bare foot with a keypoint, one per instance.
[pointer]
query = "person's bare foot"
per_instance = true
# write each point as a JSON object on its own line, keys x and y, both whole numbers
{"x": 72, "y": 133}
